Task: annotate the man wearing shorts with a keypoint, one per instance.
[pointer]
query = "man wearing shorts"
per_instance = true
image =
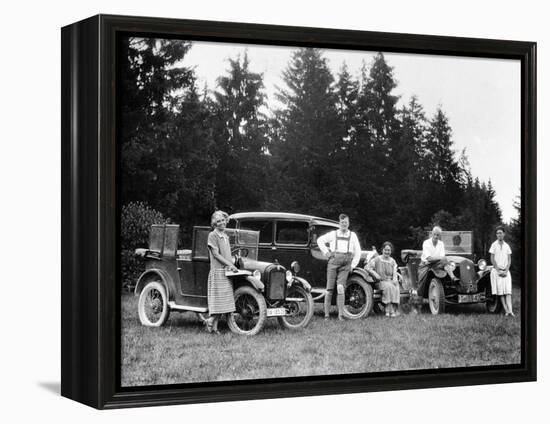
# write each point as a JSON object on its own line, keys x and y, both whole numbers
{"x": 343, "y": 251}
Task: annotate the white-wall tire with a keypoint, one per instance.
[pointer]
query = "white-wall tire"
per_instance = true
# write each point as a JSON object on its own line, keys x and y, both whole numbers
{"x": 153, "y": 309}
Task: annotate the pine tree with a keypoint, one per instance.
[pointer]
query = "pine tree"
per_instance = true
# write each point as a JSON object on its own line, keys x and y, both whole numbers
{"x": 381, "y": 103}
{"x": 241, "y": 137}
{"x": 442, "y": 170}
{"x": 307, "y": 137}
{"x": 405, "y": 172}
{"x": 347, "y": 90}
{"x": 514, "y": 239}
{"x": 150, "y": 76}
{"x": 373, "y": 163}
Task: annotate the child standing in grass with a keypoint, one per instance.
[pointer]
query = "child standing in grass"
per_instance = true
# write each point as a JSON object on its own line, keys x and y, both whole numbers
{"x": 501, "y": 280}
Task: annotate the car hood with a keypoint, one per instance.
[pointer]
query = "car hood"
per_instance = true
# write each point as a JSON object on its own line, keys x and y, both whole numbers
{"x": 252, "y": 265}
{"x": 457, "y": 259}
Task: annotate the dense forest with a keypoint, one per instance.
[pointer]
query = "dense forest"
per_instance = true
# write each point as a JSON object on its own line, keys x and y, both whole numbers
{"x": 335, "y": 143}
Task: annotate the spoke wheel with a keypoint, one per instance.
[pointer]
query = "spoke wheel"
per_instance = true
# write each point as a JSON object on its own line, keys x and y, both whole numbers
{"x": 299, "y": 311}
{"x": 153, "y": 308}
{"x": 359, "y": 298}
{"x": 250, "y": 312}
{"x": 436, "y": 297}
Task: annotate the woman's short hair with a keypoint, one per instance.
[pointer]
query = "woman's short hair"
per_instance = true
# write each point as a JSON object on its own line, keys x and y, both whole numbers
{"x": 217, "y": 215}
{"x": 387, "y": 243}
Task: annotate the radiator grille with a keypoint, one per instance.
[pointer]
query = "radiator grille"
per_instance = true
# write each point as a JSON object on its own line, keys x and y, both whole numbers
{"x": 468, "y": 281}
{"x": 276, "y": 284}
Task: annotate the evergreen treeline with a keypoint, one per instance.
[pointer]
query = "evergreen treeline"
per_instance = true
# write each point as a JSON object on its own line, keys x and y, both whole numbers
{"x": 336, "y": 143}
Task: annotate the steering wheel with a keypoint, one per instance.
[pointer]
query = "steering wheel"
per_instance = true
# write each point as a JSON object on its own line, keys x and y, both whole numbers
{"x": 240, "y": 252}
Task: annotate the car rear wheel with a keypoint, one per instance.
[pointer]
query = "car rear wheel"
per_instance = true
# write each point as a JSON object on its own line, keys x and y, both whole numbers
{"x": 299, "y": 309}
{"x": 153, "y": 307}
{"x": 492, "y": 302}
{"x": 436, "y": 297}
{"x": 359, "y": 298}
{"x": 250, "y": 312}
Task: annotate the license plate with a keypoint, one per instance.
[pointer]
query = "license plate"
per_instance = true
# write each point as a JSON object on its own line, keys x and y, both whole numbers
{"x": 471, "y": 298}
{"x": 276, "y": 312}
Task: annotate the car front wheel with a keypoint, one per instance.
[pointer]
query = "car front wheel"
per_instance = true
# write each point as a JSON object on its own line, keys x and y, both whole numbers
{"x": 436, "y": 297}
{"x": 153, "y": 307}
{"x": 359, "y": 298}
{"x": 250, "y": 312}
{"x": 299, "y": 308}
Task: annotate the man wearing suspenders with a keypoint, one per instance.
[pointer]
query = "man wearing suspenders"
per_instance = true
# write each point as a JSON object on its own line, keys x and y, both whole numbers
{"x": 343, "y": 251}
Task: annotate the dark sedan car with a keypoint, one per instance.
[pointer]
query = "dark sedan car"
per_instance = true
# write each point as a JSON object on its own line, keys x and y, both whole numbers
{"x": 291, "y": 239}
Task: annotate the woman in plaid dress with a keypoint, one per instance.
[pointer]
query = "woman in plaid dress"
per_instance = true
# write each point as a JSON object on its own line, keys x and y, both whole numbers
{"x": 221, "y": 299}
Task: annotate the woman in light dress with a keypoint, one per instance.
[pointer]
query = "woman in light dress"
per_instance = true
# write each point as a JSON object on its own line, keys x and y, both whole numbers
{"x": 384, "y": 269}
{"x": 501, "y": 280}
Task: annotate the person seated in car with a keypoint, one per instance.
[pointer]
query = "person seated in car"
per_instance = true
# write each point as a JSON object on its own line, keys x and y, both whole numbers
{"x": 433, "y": 257}
{"x": 384, "y": 269}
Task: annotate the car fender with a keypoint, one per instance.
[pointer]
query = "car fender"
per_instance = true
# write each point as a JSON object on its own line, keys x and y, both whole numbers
{"x": 302, "y": 282}
{"x": 360, "y": 272}
{"x": 486, "y": 271}
{"x": 256, "y": 283}
{"x": 484, "y": 278}
{"x": 155, "y": 274}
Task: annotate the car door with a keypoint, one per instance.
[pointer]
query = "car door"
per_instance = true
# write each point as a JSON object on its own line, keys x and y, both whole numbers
{"x": 194, "y": 272}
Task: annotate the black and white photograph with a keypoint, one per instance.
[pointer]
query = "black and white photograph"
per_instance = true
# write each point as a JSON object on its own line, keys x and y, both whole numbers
{"x": 291, "y": 211}
{"x": 304, "y": 212}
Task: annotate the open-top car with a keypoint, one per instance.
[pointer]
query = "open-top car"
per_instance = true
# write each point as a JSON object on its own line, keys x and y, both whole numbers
{"x": 291, "y": 239}
{"x": 177, "y": 280}
{"x": 469, "y": 284}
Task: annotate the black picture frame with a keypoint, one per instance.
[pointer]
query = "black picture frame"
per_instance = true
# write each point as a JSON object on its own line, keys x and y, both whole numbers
{"x": 90, "y": 328}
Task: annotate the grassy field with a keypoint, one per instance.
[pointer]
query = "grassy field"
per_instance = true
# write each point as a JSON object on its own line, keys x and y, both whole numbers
{"x": 182, "y": 352}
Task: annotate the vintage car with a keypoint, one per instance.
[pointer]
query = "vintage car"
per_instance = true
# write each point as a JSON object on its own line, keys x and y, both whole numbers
{"x": 471, "y": 285}
{"x": 177, "y": 280}
{"x": 291, "y": 240}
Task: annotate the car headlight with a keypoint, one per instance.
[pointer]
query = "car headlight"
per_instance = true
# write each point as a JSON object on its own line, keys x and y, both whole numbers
{"x": 289, "y": 276}
{"x": 482, "y": 264}
{"x": 452, "y": 265}
{"x": 295, "y": 266}
{"x": 257, "y": 274}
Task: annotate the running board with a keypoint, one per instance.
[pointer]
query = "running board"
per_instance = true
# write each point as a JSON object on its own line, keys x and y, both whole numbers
{"x": 173, "y": 305}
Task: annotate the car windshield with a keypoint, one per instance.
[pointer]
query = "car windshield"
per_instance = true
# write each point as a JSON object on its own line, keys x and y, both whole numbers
{"x": 163, "y": 239}
{"x": 245, "y": 239}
